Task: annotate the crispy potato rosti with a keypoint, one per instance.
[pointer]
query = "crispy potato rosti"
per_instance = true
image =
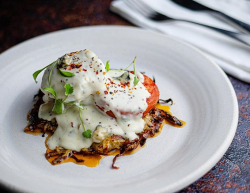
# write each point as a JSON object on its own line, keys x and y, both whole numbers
{"x": 115, "y": 144}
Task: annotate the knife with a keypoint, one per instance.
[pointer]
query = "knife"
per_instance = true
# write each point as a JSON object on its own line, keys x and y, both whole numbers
{"x": 195, "y": 6}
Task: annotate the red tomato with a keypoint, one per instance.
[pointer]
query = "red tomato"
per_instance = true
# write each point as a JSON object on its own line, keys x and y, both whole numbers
{"x": 151, "y": 101}
{"x": 154, "y": 93}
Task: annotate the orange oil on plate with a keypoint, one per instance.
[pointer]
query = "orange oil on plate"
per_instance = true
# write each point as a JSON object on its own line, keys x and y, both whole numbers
{"x": 94, "y": 160}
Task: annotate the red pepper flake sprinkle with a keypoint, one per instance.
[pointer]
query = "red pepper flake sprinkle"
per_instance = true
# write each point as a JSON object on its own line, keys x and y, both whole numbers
{"x": 105, "y": 92}
{"x": 73, "y": 66}
{"x": 96, "y": 72}
{"x": 84, "y": 70}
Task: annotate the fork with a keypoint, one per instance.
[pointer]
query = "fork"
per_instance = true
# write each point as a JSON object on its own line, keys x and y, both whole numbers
{"x": 152, "y": 14}
{"x": 196, "y": 6}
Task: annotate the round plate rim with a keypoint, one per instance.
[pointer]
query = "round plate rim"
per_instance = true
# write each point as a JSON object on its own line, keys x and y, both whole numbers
{"x": 210, "y": 162}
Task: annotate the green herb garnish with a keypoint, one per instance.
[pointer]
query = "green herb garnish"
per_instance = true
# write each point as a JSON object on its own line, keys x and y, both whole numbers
{"x": 107, "y": 66}
{"x": 36, "y": 73}
{"x": 85, "y": 133}
{"x": 51, "y": 91}
{"x": 59, "y": 103}
{"x": 128, "y": 65}
{"x": 62, "y": 72}
{"x": 66, "y": 73}
{"x": 58, "y": 106}
{"x": 136, "y": 80}
{"x": 68, "y": 90}
{"x": 50, "y": 72}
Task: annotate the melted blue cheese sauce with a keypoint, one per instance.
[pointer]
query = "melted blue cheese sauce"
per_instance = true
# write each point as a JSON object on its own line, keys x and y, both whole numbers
{"x": 99, "y": 92}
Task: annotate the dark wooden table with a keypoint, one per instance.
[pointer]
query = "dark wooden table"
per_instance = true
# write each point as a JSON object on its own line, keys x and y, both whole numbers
{"x": 22, "y": 20}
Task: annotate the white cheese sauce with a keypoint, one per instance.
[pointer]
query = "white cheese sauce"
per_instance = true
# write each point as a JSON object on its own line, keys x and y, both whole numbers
{"x": 100, "y": 92}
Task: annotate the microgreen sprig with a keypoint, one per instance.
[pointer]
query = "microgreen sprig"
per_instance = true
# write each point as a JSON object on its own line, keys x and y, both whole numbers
{"x": 68, "y": 90}
{"x": 107, "y": 66}
{"x": 53, "y": 64}
{"x": 58, "y": 106}
{"x": 36, "y": 73}
{"x": 50, "y": 72}
{"x": 128, "y": 65}
{"x": 66, "y": 73}
{"x": 136, "y": 80}
{"x": 59, "y": 103}
{"x": 51, "y": 91}
{"x": 86, "y": 133}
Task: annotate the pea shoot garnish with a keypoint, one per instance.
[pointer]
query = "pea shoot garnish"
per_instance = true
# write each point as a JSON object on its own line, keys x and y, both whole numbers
{"x": 50, "y": 72}
{"x": 59, "y": 103}
{"x": 128, "y": 65}
{"x": 53, "y": 64}
{"x": 51, "y": 91}
{"x": 66, "y": 73}
{"x": 58, "y": 106}
{"x": 68, "y": 90}
{"x": 86, "y": 133}
{"x": 136, "y": 80}
{"x": 107, "y": 66}
{"x": 36, "y": 73}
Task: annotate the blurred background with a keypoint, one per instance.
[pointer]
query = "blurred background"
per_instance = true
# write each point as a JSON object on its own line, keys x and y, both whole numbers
{"x": 22, "y": 20}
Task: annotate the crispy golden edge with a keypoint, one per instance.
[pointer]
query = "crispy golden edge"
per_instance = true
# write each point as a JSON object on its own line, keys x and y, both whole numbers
{"x": 154, "y": 120}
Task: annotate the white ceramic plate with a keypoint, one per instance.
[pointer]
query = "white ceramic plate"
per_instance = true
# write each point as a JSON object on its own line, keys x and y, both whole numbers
{"x": 202, "y": 94}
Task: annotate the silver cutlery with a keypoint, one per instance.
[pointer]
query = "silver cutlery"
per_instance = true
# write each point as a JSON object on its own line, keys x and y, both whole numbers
{"x": 152, "y": 14}
{"x": 195, "y": 6}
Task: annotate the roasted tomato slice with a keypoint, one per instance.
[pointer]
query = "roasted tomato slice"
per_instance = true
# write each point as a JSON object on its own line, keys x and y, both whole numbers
{"x": 151, "y": 101}
{"x": 154, "y": 93}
